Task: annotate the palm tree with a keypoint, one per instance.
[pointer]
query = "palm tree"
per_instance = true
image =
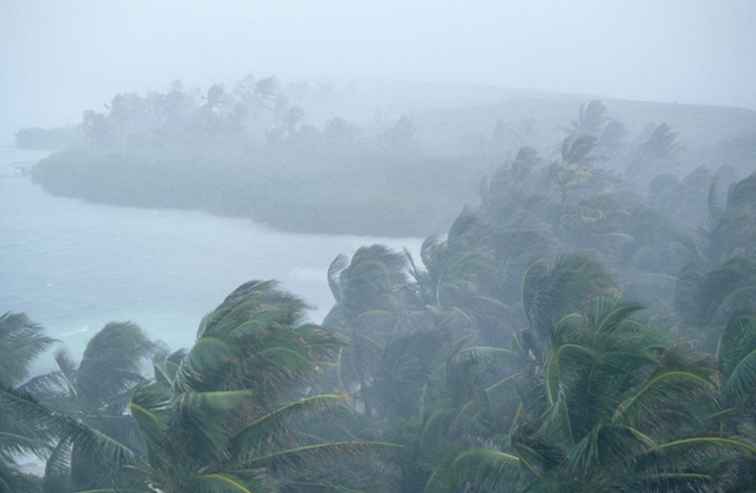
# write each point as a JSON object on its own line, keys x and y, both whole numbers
{"x": 736, "y": 357}
{"x": 620, "y": 409}
{"x": 462, "y": 273}
{"x": 731, "y": 232}
{"x": 374, "y": 278}
{"x": 712, "y": 298}
{"x": 458, "y": 268}
{"x": 661, "y": 143}
{"x": 592, "y": 118}
{"x": 372, "y": 291}
{"x": 737, "y": 362}
{"x": 47, "y": 426}
{"x": 655, "y": 150}
{"x": 96, "y": 393}
{"x": 400, "y": 332}
{"x": 555, "y": 287}
{"x": 219, "y": 418}
{"x": 21, "y": 341}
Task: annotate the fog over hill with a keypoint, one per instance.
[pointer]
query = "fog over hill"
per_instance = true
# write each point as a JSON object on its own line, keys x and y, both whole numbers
{"x": 60, "y": 57}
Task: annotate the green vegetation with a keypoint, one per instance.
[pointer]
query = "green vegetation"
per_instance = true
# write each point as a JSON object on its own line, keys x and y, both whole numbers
{"x": 567, "y": 335}
{"x": 281, "y": 155}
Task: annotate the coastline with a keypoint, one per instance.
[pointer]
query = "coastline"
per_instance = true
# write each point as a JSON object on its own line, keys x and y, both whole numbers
{"x": 353, "y": 203}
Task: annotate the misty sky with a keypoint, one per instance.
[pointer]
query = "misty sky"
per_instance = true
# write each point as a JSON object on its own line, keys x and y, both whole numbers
{"x": 59, "y": 57}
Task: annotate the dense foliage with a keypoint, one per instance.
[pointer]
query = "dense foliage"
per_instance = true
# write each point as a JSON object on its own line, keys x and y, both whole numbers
{"x": 312, "y": 158}
{"x": 568, "y": 334}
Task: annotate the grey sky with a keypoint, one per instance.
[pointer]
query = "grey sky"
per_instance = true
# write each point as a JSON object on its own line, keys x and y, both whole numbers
{"x": 59, "y": 57}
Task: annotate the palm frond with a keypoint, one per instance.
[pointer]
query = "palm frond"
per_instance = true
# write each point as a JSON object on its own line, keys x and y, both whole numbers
{"x": 334, "y": 271}
{"x": 47, "y": 385}
{"x": 151, "y": 407}
{"x": 12, "y": 443}
{"x": 66, "y": 364}
{"x": 737, "y": 341}
{"x": 57, "y": 478}
{"x": 219, "y": 483}
{"x": 486, "y": 355}
{"x": 740, "y": 386}
{"x": 118, "y": 490}
{"x": 664, "y": 400}
{"x": 205, "y": 365}
{"x": 112, "y": 361}
{"x": 553, "y": 288}
{"x": 613, "y": 319}
{"x": 21, "y": 341}
{"x": 553, "y": 367}
{"x": 556, "y": 426}
{"x": 699, "y": 455}
{"x": 51, "y": 424}
{"x": 606, "y": 446}
{"x": 252, "y": 301}
{"x": 326, "y": 452}
{"x": 207, "y": 420}
{"x": 267, "y": 429}
{"x": 483, "y": 469}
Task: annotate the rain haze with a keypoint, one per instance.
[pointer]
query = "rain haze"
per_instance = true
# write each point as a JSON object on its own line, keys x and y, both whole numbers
{"x": 60, "y": 57}
{"x": 377, "y": 246}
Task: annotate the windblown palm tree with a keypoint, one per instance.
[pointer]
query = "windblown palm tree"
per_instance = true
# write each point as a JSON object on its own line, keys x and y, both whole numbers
{"x": 219, "y": 418}
{"x": 619, "y": 409}
{"x": 457, "y": 269}
{"x": 732, "y": 231}
{"x": 21, "y": 341}
{"x": 553, "y": 288}
{"x": 33, "y": 426}
{"x": 712, "y": 298}
{"x": 95, "y": 392}
{"x": 737, "y": 362}
{"x": 372, "y": 290}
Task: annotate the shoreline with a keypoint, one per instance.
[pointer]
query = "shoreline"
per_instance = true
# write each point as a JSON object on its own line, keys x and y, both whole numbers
{"x": 397, "y": 203}
{"x": 280, "y": 227}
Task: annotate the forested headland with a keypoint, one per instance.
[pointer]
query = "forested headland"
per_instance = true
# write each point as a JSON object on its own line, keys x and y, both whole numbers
{"x": 390, "y": 160}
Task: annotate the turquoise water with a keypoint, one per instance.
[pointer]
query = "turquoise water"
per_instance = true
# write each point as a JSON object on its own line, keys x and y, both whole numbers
{"x": 73, "y": 266}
